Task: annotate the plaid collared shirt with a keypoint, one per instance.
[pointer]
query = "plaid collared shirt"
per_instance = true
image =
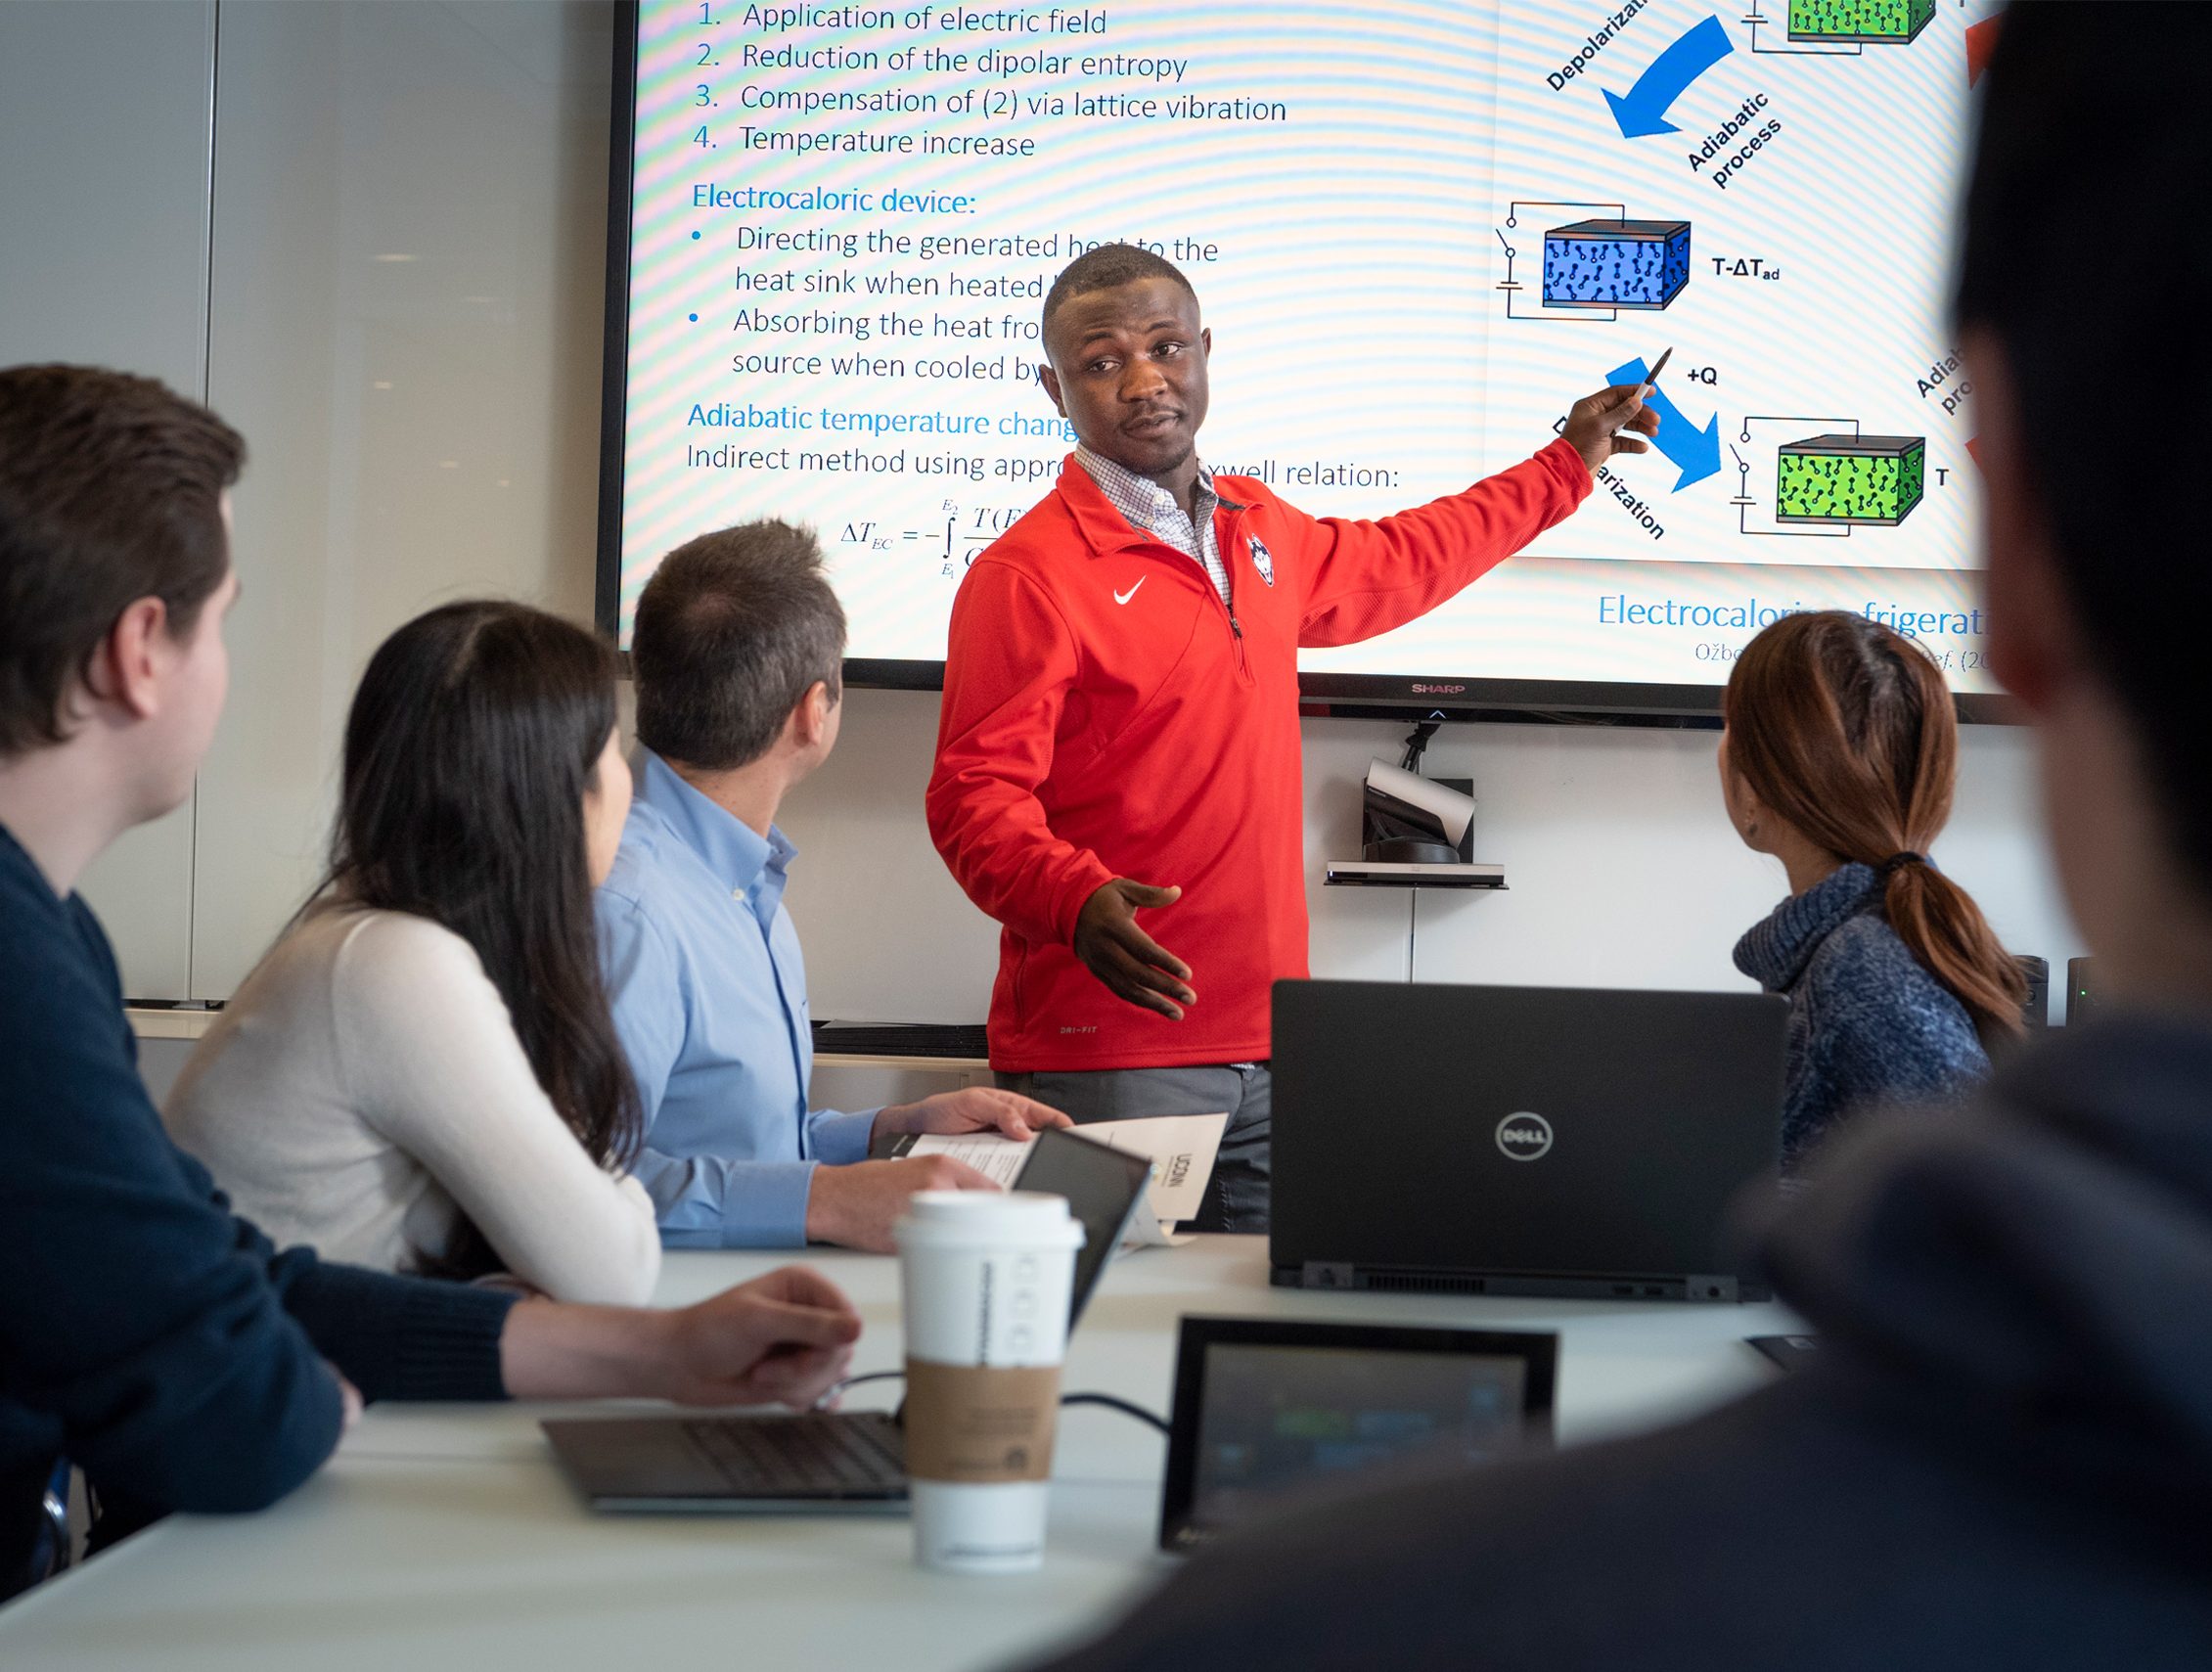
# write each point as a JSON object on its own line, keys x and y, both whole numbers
{"x": 1153, "y": 509}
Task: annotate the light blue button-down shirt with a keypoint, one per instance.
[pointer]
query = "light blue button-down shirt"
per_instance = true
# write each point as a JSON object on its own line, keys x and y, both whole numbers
{"x": 710, "y": 993}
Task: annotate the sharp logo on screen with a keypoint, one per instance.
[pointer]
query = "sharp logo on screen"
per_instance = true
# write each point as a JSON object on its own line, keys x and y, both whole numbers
{"x": 1524, "y": 1137}
{"x": 1439, "y": 689}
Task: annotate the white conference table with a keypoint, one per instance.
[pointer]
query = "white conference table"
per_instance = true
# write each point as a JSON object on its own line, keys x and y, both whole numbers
{"x": 444, "y": 1536}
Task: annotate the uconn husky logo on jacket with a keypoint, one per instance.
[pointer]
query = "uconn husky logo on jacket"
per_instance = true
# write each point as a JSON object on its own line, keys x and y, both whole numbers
{"x": 1263, "y": 560}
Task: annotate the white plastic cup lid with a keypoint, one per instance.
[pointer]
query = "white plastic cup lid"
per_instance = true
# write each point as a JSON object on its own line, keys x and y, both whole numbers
{"x": 972, "y": 1218}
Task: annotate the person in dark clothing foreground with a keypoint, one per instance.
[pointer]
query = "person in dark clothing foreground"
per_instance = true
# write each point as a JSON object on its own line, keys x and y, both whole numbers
{"x": 147, "y": 1333}
{"x": 2002, "y": 1454}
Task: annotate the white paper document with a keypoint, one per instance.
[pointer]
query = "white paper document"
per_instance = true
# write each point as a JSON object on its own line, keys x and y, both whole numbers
{"x": 1180, "y": 1147}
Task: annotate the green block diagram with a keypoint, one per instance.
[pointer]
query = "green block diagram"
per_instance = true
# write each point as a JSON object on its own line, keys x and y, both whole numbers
{"x": 1840, "y": 479}
{"x": 1889, "y": 22}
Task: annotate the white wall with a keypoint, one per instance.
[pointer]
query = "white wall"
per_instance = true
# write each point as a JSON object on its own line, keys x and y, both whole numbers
{"x": 472, "y": 139}
{"x": 104, "y": 114}
{"x": 214, "y": 194}
{"x": 1622, "y": 869}
{"x": 407, "y": 291}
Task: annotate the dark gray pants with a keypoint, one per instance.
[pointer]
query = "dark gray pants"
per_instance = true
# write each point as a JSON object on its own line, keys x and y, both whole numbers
{"x": 1235, "y": 1198}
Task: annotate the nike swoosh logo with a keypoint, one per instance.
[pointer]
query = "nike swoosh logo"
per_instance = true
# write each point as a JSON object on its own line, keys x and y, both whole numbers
{"x": 1125, "y": 596}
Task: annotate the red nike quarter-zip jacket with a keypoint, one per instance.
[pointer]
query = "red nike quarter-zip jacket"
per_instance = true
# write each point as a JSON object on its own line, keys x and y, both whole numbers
{"x": 1106, "y": 715}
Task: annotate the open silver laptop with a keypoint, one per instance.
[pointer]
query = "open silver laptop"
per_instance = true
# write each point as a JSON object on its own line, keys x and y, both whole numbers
{"x": 823, "y": 1462}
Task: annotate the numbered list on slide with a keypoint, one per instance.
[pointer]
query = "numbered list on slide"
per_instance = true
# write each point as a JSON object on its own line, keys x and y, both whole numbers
{"x": 848, "y": 218}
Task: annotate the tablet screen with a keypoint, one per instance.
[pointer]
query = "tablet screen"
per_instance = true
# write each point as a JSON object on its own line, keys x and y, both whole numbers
{"x": 1101, "y": 1185}
{"x": 1259, "y": 1417}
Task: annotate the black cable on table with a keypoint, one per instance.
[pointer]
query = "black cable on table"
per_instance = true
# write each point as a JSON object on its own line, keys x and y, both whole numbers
{"x": 1107, "y": 1400}
{"x": 1113, "y": 1404}
{"x": 871, "y": 1375}
{"x": 831, "y": 1395}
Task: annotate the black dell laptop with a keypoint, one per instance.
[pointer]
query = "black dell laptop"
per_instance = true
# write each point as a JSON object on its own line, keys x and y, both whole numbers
{"x": 1519, "y": 1140}
{"x": 825, "y": 1462}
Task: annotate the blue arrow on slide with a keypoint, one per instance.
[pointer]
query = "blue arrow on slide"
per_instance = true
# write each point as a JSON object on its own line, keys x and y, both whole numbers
{"x": 1643, "y": 109}
{"x": 1696, "y": 451}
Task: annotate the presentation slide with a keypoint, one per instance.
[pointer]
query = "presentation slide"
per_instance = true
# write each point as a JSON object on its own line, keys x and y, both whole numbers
{"x": 1417, "y": 233}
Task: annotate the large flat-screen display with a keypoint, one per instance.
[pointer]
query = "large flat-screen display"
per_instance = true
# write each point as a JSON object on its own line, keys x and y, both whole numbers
{"x": 1418, "y": 232}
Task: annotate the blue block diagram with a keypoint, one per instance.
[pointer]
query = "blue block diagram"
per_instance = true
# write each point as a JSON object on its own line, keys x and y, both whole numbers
{"x": 1615, "y": 263}
{"x": 1591, "y": 261}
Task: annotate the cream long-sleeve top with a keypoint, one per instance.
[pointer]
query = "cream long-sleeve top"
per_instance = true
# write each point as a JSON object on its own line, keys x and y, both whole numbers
{"x": 366, "y": 1088}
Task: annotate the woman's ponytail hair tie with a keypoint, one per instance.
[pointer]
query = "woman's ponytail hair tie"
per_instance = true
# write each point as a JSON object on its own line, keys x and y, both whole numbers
{"x": 1897, "y": 862}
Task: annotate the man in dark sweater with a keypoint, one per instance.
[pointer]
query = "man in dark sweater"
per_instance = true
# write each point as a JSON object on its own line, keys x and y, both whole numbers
{"x": 146, "y": 1333}
{"x": 2002, "y": 1454}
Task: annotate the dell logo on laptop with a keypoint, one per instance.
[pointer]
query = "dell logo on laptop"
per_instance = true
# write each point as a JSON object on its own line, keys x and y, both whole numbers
{"x": 1524, "y": 1137}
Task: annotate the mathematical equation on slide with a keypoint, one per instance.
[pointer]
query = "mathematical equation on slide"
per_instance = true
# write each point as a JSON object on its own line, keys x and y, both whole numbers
{"x": 951, "y": 539}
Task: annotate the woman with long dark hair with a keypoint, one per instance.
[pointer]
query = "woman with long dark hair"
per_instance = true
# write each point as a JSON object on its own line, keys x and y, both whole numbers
{"x": 1838, "y": 758}
{"x": 423, "y": 1075}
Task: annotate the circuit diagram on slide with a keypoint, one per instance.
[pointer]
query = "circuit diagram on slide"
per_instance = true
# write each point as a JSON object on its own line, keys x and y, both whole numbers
{"x": 1836, "y": 28}
{"x": 1596, "y": 266}
{"x": 1590, "y": 263}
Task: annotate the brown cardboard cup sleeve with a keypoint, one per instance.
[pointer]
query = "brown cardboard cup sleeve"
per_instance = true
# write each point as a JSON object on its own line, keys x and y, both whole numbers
{"x": 980, "y": 1424}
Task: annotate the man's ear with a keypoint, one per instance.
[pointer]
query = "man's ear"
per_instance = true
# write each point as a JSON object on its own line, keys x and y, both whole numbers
{"x": 126, "y": 670}
{"x": 810, "y": 716}
{"x": 1048, "y": 380}
{"x": 1205, "y": 341}
{"x": 2032, "y": 647}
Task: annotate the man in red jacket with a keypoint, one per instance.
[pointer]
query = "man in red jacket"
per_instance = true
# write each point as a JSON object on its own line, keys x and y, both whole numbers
{"x": 1120, "y": 720}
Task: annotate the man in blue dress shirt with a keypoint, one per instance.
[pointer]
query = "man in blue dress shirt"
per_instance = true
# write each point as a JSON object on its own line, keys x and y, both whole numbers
{"x": 737, "y": 650}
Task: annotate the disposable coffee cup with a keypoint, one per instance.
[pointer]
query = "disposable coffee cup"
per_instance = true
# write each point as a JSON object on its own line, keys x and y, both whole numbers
{"x": 985, "y": 1278}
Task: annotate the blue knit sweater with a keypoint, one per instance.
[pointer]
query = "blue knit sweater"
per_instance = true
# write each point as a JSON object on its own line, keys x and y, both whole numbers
{"x": 165, "y": 1346}
{"x": 1867, "y": 1023}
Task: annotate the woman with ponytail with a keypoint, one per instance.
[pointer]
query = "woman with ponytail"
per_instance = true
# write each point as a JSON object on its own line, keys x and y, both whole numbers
{"x": 1838, "y": 758}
